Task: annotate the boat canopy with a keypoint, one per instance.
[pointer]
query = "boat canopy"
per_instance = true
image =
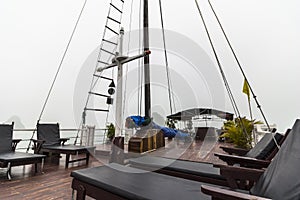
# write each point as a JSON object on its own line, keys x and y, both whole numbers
{"x": 194, "y": 112}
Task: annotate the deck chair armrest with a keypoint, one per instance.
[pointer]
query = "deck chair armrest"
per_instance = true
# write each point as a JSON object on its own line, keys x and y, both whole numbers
{"x": 240, "y": 177}
{"x": 37, "y": 145}
{"x": 224, "y": 194}
{"x": 63, "y": 140}
{"x": 234, "y": 150}
{"x": 15, "y": 143}
{"x": 243, "y": 161}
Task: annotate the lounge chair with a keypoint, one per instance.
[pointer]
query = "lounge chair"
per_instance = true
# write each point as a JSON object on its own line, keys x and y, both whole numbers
{"x": 198, "y": 171}
{"x": 49, "y": 142}
{"x": 260, "y": 155}
{"x": 243, "y": 152}
{"x": 116, "y": 181}
{"x": 279, "y": 181}
{"x": 9, "y": 157}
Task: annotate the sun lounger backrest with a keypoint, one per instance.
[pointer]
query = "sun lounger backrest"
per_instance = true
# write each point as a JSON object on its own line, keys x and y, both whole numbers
{"x": 281, "y": 179}
{"x": 265, "y": 146}
{"x": 6, "y": 131}
{"x": 49, "y": 133}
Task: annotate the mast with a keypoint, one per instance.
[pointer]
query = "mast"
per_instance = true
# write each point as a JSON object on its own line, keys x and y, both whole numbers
{"x": 119, "y": 99}
{"x": 146, "y": 62}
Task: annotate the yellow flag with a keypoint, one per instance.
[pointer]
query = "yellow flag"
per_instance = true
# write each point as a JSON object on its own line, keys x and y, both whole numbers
{"x": 246, "y": 89}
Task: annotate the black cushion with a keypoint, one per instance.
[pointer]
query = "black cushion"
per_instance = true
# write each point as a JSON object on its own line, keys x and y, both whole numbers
{"x": 281, "y": 179}
{"x": 133, "y": 183}
{"x": 188, "y": 167}
{"x": 69, "y": 148}
{"x": 18, "y": 156}
{"x": 6, "y": 131}
{"x": 48, "y": 133}
{"x": 265, "y": 146}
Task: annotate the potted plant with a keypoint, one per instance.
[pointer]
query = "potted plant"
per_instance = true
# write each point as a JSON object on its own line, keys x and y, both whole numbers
{"x": 239, "y": 132}
{"x": 110, "y": 131}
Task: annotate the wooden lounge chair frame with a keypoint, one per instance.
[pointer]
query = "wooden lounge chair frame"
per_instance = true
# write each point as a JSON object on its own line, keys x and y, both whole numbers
{"x": 11, "y": 158}
{"x": 40, "y": 146}
{"x": 279, "y": 181}
{"x": 245, "y": 161}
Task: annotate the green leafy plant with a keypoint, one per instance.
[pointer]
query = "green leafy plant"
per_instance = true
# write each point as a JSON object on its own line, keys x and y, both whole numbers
{"x": 110, "y": 131}
{"x": 171, "y": 123}
{"x": 239, "y": 131}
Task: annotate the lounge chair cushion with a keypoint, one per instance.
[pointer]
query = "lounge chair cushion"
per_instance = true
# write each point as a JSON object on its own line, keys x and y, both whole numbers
{"x": 133, "y": 183}
{"x": 6, "y": 131}
{"x": 48, "y": 133}
{"x": 281, "y": 179}
{"x": 18, "y": 156}
{"x": 62, "y": 148}
{"x": 263, "y": 148}
{"x": 189, "y": 167}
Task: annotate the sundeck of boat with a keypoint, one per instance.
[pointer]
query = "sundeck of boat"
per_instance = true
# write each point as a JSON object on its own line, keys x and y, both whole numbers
{"x": 188, "y": 145}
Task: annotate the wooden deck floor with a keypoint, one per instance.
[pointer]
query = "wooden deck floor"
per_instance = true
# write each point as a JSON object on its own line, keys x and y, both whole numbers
{"x": 55, "y": 181}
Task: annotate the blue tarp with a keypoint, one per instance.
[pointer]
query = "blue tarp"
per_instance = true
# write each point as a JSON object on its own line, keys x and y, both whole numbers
{"x": 138, "y": 120}
{"x": 168, "y": 132}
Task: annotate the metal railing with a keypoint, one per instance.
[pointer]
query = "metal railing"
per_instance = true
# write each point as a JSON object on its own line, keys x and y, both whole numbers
{"x": 71, "y": 133}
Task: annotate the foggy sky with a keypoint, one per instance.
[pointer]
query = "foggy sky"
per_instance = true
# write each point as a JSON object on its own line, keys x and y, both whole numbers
{"x": 34, "y": 33}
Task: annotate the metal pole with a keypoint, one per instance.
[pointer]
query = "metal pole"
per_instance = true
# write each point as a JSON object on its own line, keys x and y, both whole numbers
{"x": 119, "y": 95}
{"x": 146, "y": 62}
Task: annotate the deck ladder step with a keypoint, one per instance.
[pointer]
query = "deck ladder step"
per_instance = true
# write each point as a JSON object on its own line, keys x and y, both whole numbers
{"x": 103, "y": 77}
{"x": 107, "y": 51}
{"x": 105, "y": 63}
{"x": 113, "y": 20}
{"x": 97, "y": 94}
{"x": 115, "y": 32}
{"x": 104, "y": 40}
{"x": 94, "y": 109}
{"x": 116, "y": 8}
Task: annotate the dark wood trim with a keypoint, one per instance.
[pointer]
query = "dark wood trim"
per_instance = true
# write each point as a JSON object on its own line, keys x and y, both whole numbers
{"x": 243, "y": 161}
{"x": 234, "y": 150}
{"x": 224, "y": 194}
{"x": 85, "y": 189}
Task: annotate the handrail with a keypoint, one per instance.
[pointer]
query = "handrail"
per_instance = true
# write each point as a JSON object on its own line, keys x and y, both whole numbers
{"x": 61, "y": 129}
{"x": 99, "y": 136}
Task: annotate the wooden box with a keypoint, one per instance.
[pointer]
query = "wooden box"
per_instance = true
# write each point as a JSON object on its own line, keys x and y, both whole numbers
{"x": 146, "y": 140}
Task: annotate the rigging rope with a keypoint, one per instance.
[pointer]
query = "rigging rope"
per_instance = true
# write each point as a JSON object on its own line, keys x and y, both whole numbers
{"x": 128, "y": 48}
{"x": 171, "y": 97}
{"x": 58, "y": 70}
{"x": 140, "y": 68}
{"x": 241, "y": 69}
{"x": 233, "y": 102}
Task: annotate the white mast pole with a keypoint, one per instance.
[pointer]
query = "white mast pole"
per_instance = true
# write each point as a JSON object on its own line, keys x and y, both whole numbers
{"x": 119, "y": 94}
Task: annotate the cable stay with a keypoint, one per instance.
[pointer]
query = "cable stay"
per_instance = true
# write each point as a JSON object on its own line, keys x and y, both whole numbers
{"x": 171, "y": 97}
{"x": 230, "y": 94}
{"x": 239, "y": 64}
{"x": 58, "y": 70}
{"x": 126, "y": 66}
{"x": 242, "y": 71}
